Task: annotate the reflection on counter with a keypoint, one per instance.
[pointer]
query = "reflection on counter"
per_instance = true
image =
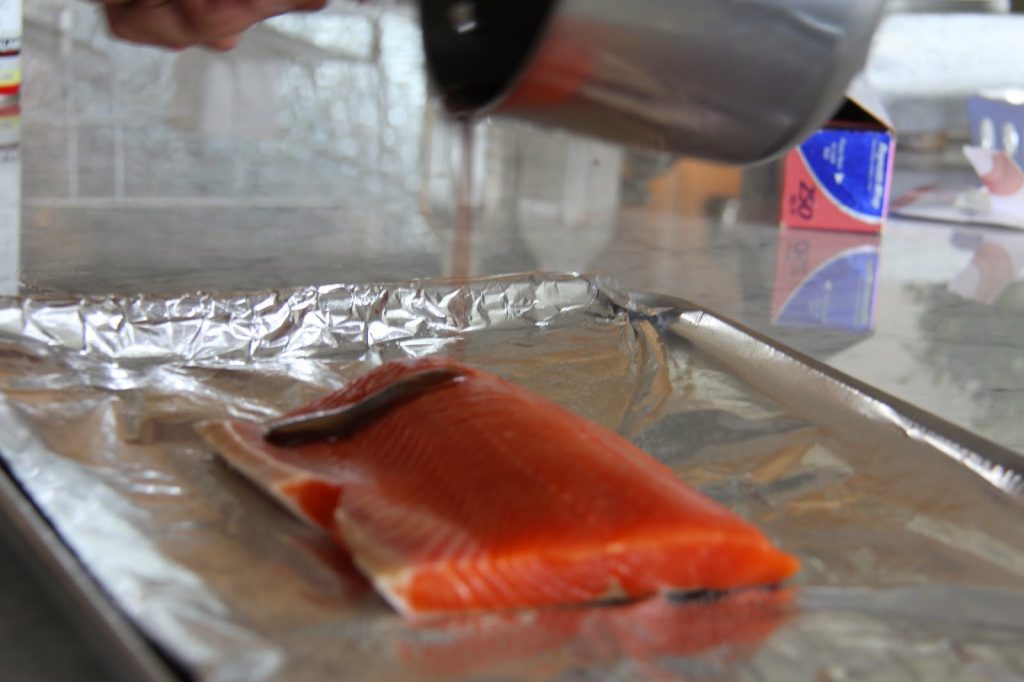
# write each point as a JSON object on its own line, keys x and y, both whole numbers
{"x": 977, "y": 307}
{"x": 657, "y": 638}
{"x": 826, "y": 281}
{"x": 10, "y": 199}
{"x": 998, "y": 258}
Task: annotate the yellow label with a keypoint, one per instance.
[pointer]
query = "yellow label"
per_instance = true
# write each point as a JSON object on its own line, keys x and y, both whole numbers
{"x": 10, "y": 72}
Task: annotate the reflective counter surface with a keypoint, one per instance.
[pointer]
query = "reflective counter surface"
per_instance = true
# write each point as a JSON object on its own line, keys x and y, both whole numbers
{"x": 312, "y": 154}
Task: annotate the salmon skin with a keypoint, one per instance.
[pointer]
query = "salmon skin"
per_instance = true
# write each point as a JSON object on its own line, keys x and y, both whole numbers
{"x": 480, "y": 495}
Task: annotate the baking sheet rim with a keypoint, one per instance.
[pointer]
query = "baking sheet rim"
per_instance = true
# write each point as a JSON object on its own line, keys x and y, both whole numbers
{"x": 954, "y": 437}
{"x": 116, "y": 634}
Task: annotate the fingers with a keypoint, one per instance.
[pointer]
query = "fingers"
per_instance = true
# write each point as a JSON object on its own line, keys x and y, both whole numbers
{"x": 182, "y": 23}
{"x": 310, "y": 5}
{"x": 224, "y": 44}
{"x": 162, "y": 25}
{"x": 211, "y": 20}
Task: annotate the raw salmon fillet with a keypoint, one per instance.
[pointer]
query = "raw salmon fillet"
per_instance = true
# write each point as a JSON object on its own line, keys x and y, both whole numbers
{"x": 481, "y": 495}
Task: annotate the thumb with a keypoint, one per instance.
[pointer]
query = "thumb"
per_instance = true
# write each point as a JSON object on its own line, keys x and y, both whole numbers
{"x": 224, "y": 43}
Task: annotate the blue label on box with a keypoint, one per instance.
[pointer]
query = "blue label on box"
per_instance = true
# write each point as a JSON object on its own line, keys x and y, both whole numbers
{"x": 840, "y": 294}
{"x": 852, "y": 167}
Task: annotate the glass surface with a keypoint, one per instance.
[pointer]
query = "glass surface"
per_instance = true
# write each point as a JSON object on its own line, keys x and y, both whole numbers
{"x": 312, "y": 154}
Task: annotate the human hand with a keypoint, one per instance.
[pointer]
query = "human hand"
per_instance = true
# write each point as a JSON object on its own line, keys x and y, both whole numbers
{"x": 178, "y": 24}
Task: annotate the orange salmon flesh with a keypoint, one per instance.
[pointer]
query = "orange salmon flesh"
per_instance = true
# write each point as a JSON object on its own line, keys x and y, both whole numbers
{"x": 481, "y": 495}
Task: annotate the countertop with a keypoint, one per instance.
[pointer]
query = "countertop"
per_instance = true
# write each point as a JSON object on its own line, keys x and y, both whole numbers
{"x": 312, "y": 154}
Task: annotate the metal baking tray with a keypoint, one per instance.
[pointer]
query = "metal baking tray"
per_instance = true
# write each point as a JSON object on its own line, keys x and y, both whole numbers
{"x": 911, "y": 530}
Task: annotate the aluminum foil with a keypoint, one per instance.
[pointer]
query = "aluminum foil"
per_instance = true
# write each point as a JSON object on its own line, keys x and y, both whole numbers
{"x": 912, "y": 537}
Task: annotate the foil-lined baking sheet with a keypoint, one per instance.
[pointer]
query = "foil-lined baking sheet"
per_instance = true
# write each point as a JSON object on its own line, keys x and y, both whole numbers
{"x": 911, "y": 532}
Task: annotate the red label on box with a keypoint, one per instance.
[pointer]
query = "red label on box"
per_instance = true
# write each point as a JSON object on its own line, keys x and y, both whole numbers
{"x": 840, "y": 177}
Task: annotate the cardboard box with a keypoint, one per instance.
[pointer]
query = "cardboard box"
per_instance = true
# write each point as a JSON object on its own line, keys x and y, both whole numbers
{"x": 997, "y": 121}
{"x": 999, "y": 201}
{"x": 840, "y": 177}
{"x": 826, "y": 280}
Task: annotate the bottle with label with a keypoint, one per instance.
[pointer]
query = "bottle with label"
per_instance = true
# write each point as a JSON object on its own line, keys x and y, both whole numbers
{"x": 10, "y": 199}
{"x": 10, "y": 48}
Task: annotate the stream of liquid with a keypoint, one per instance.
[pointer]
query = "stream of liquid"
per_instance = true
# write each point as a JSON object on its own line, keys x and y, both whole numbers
{"x": 462, "y": 244}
